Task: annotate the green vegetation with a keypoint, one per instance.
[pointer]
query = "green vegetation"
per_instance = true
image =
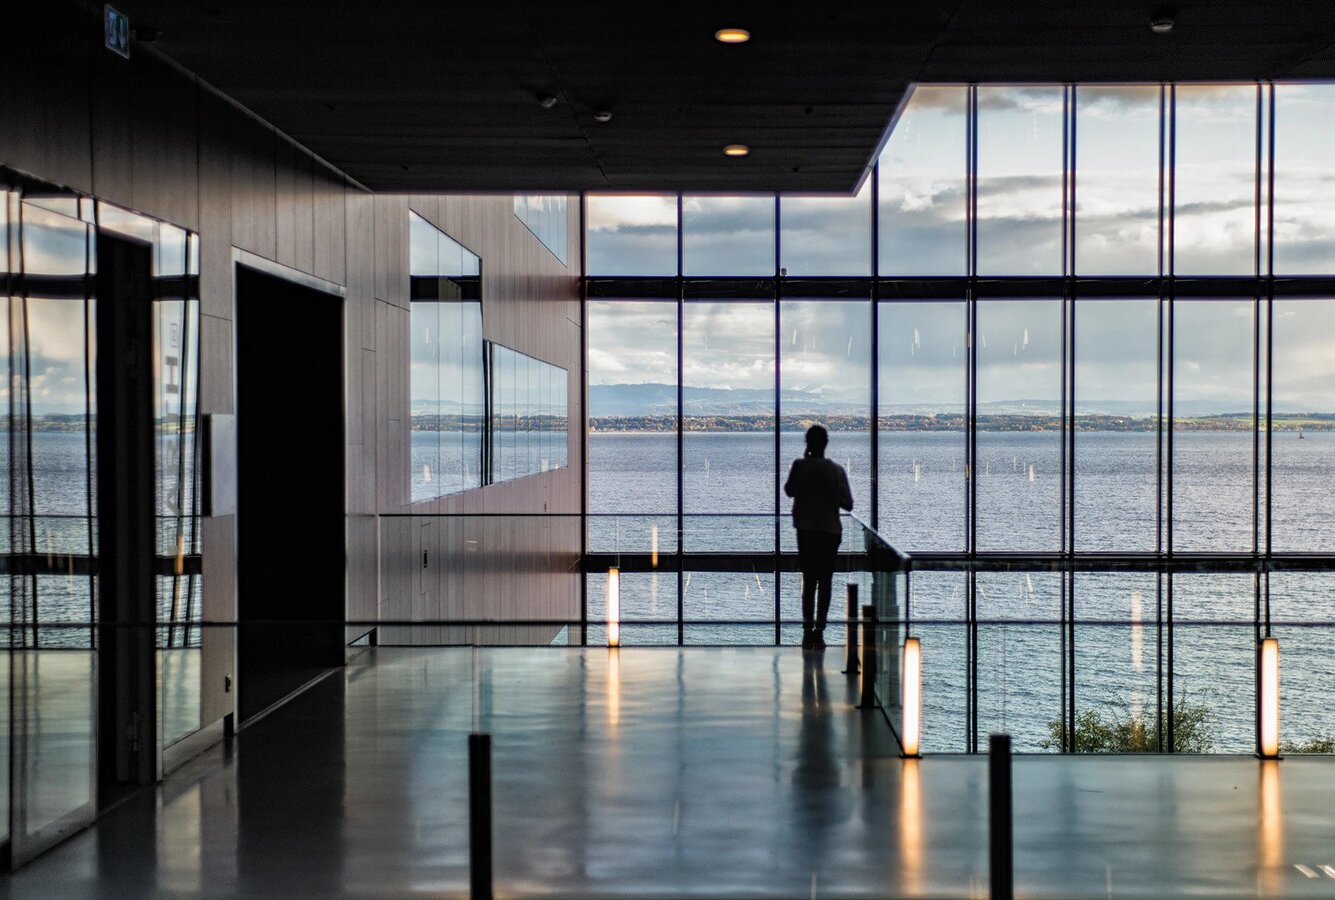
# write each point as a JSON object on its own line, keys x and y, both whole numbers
{"x": 1120, "y": 730}
{"x": 1322, "y": 743}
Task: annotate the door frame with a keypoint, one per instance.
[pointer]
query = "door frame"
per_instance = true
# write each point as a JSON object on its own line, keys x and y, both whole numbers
{"x": 265, "y": 266}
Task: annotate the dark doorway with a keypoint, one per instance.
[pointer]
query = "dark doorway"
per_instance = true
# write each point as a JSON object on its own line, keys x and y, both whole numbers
{"x": 127, "y": 721}
{"x": 290, "y": 486}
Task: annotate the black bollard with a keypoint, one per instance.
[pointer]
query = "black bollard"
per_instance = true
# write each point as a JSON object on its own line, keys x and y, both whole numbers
{"x": 869, "y": 661}
{"x": 1000, "y": 816}
{"x": 851, "y": 641}
{"x": 479, "y": 816}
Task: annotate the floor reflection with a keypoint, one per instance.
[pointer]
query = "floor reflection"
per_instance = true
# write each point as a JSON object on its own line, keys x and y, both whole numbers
{"x": 666, "y": 771}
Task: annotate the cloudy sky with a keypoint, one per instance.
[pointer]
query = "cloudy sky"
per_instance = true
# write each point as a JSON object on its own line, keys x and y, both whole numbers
{"x": 922, "y": 191}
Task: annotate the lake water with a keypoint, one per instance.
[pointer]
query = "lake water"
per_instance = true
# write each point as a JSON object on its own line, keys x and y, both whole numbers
{"x": 922, "y": 498}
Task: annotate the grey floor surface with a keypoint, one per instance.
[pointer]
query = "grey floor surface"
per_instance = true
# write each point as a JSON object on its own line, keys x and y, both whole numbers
{"x": 672, "y": 772}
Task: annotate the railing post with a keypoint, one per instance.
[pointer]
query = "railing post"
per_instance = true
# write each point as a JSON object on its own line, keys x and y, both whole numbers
{"x": 851, "y": 641}
{"x": 1000, "y": 816}
{"x": 868, "y": 657}
{"x": 479, "y": 816}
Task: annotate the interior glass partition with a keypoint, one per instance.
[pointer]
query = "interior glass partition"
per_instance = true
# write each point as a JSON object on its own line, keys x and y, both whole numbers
{"x": 52, "y": 539}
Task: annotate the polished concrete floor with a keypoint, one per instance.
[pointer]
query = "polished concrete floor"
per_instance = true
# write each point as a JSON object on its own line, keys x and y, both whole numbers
{"x": 661, "y": 772}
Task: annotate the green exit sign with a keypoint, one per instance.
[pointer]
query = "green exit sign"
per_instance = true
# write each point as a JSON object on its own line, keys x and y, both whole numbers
{"x": 117, "y": 31}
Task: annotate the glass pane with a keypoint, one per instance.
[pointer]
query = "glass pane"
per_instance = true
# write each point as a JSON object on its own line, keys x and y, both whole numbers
{"x": 845, "y": 573}
{"x": 563, "y": 417}
{"x": 1116, "y": 681}
{"x": 1304, "y": 194}
{"x": 1020, "y": 665}
{"x": 1303, "y": 426}
{"x": 449, "y": 476}
{"x": 472, "y": 403}
{"x": 1307, "y": 680}
{"x": 424, "y": 401}
{"x": 60, "y": 445}
{"x": 176, "y": 382}
{"x": 728, "y": 361}
{"x": 1214, "y": 218}
{"x": 632, "y": 360}
{"x": 632, "y": 235}
{"x": 1116, "y": 424}
{"x": 446, "y": 385}
{"x": 744, "y": 600}
{"x": 1019, "y": 180}
{"x": 727, "y": 235}
{"x": 923, "y": 358}
{"x": 1117, "y": 180}
{"x": 825, "y": 379}
{"x": 942, "y": 598}
{"x": 826, "y": 235}
{"x": 922, "y": 188}
{"x": 53, "y": 244}
{"x": 56, "y": 753}
{"x": 645, "y": 597}
{"x": 1212, "y": 428}
{"x": 1019, "y": 429}
{"x": 1214, "y": 666}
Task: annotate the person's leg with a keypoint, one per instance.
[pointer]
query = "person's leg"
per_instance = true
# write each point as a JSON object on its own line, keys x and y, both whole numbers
{"x": 807, "y": 555}
{"x": 829, "y": 558}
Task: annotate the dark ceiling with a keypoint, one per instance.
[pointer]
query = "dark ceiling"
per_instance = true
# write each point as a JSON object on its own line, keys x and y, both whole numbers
{"x": 444, "y": 96}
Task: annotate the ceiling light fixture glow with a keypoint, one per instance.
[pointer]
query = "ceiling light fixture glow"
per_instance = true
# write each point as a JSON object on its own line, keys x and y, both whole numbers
{"x": 736, "y": 150}
{"x": 732, "y": 35}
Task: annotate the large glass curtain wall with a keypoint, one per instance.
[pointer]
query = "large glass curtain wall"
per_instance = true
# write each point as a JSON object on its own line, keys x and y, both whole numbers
{"x": 1073, "y": 344}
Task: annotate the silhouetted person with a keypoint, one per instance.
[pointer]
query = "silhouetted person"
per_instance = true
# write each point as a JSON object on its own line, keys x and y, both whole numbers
{"x": 819, "y": 489}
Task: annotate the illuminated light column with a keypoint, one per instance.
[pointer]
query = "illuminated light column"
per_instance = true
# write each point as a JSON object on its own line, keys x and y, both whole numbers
{"x": 614, "y": 607}
{"x": 653, "y": 541}
{"x": 1268, "y": 661}
{"x": 911, "y": 701}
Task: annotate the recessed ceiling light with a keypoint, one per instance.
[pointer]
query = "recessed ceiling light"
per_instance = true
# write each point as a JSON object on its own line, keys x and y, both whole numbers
{"x": 1162, "y": 21}
{"x": 736, "y": 150}
{"x": 732, "y": 35}
{"x": 602, "y": 115}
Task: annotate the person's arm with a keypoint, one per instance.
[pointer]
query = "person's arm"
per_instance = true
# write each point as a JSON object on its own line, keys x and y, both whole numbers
{"x": 788, "y": 485}
{"x": 845, "y": 492}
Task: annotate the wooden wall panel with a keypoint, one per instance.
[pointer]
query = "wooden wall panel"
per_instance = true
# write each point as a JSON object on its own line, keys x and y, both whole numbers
{"x": 391, "y": 249}
{"x": 285, "y": 203}
{"x": 164, "y": 144}
{"x": 254, "y": 190}
{"x": 45, "y": 126}
{"x": 330, "y": 224}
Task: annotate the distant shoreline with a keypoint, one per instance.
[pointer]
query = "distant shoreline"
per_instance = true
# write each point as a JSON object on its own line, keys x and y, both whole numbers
{"x": 1241, "y": 423}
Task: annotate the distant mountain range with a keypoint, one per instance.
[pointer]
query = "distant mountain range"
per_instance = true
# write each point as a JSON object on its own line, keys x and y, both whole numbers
{"x": 653, "y": 399}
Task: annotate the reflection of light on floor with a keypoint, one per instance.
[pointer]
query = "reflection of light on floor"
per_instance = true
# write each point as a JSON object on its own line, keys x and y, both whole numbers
{"x": 613, "y": 686}
{"x": 1270, "y": 872}
{"x": 910, "y": 825}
